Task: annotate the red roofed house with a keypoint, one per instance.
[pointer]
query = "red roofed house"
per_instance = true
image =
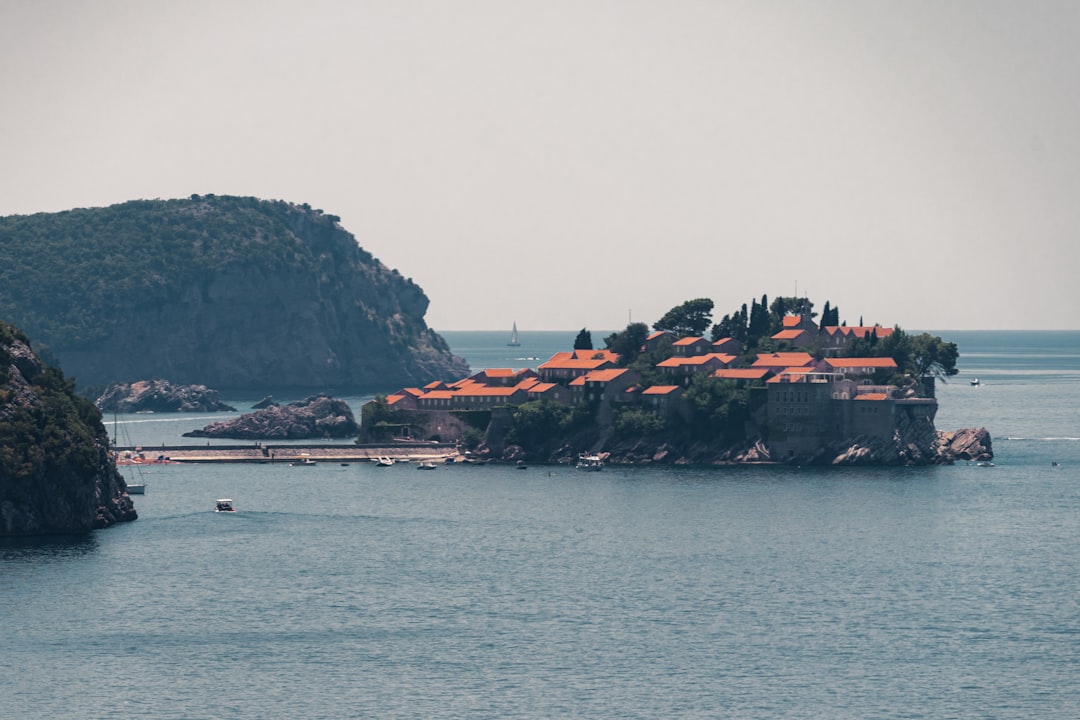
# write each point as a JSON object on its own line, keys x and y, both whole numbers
{"x": 728, "y": 346}
{"x": 779, "y": 360}
{"x": 743, "y": 376}
{"x": 664, "y": 400}
{"x": 681, "y": 369}
{"x": 795, "y": 337}
{"x": 691, "y": 346}
{"x": 861, "y": 367}
{"x": 657, "y": 340}
{"x": 565, "y": 366}
{"x": 604, "y": 385}
{"x": 835, "y": 337}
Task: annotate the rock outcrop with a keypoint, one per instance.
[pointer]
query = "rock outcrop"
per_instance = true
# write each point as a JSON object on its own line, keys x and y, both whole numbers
{"x": 318, "y": 416}
{"x": 56, "y": 475}
{"x": 239, "y": 294}
{"x": 160, "y": 396}
{"x": 965, "y": 444}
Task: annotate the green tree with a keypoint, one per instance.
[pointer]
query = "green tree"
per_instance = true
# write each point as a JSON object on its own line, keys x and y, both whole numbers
{"x": 688, "y": 319}
{"x": 930, "y": 355}
{"x": 627, "y": 343}
{"x": 583, "y": 341}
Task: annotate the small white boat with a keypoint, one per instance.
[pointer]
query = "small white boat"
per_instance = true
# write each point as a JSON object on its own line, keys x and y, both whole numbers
{"x": 513, "y": 337}
{"x": 136, "y": 488}
{"x": 426, "y": 465}
{"x": 985, "y": 463}
{"x": 383, "y": 461}
{"x": 302, "y": 461}
{"x": 974, "y": 381}
{"x": 590, "y": 463}
{"x": 224, "y": 505}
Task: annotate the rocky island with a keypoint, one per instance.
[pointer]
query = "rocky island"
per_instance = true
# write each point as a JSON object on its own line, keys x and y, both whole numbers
{"x": 56, "y": 475}
{"x": 235, "y": 293}
{"x": 319, "y": 416}
{"x": 771, "y": 385}
{"x": 160, "y": 396}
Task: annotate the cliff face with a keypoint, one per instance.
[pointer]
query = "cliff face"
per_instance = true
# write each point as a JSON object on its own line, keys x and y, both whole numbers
{"x": 55, "y": 473}
{"x": 233, "y": 293}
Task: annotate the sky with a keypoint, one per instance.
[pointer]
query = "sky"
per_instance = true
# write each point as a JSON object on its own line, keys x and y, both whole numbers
{"x": 567, "y": 163}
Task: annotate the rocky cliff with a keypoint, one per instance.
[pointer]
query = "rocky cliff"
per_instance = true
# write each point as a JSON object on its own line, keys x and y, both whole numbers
{"x": 234, "y": 293}
{"x": 55, "y": 472}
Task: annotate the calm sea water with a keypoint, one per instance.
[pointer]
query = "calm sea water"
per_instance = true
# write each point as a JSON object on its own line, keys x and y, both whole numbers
{"x": 487, "y": 592}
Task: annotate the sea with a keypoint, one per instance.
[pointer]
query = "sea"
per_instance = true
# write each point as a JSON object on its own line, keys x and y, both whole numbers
{"x": 352, "y": 591}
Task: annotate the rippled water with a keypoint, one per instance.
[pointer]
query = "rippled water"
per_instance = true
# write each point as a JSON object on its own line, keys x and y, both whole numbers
{"x": 488, "y": 592}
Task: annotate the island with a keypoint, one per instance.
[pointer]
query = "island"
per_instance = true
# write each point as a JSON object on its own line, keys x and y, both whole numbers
{"x": 235, "y": 293}
{"x": 770, "y": 384}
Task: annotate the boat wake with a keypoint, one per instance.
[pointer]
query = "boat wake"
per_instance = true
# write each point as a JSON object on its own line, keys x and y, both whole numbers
{"x": 1045, "y": 439}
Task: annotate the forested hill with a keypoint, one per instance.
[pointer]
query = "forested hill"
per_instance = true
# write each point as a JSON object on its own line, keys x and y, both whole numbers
{"x": 234, "y": 293}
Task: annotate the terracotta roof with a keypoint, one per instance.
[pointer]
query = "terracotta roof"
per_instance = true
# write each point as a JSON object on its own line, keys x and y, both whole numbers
{"x": 486, "y": 391}
{"x": 573, "y": 364}
{"x": 741, "y": 373}
{"x": 606, "y": 375}
{"x": 438, "y": 395}
{"x": 784, "y": 359}
{"x": 879, "y": 362}
{"x": 788, "y": 334}
{"x": 872, "y": 396}
{"x": 498, "y": 372}
{"x": 792, "y": 321}
{"x": 541, "y": 388}
{"x": 660, "y": 390}
{"x": 689, "y": 341}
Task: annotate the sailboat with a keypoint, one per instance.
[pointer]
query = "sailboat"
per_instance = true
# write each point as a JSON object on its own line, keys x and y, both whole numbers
{"x": 513, "y": 337}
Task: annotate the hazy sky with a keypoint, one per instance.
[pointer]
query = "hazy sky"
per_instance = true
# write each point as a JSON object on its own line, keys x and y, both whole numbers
{"x": 581, "y": 163}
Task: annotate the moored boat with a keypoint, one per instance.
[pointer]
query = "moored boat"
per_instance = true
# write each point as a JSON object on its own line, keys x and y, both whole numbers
{"x": 589, "y": 463}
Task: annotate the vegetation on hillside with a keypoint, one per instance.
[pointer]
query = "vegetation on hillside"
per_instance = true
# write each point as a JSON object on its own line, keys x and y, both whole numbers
{"x": 142, "y": 252}
{"x": 45, "y": 433}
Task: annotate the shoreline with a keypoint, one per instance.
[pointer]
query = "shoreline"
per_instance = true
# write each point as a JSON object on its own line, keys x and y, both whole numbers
{"x": 262, "y": 453}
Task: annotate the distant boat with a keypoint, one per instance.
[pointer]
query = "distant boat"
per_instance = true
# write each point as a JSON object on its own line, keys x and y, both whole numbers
{"x": 974, "y": 381}
{"x": 383, "y": 461}
{"x": 590, "y": 463}
{"x": 426, "y": 465}
{"x": 302, "y": 461}
{"x": 224, "y": 505}
{"x": 513, "y": 337}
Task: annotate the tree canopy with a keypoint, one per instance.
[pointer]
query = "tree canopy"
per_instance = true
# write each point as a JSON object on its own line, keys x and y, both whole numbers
{"x": 690, "y": 318}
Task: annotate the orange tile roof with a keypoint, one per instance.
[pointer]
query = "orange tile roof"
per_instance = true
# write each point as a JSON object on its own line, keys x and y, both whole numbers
{"x": 541, "y": 388}
{"x": 486, "y": 391}
{"x": 872, "y": 396}
{"x": 783, "y": 359}
{"x": 741, "y": 373}
{"x": 438, "y": 395}
{"x": 788, "y": 334}
{"x": 498, "y": 372}
{"x": 606, "y": 375}
{"x": 792, "y": 321}
{"x": 573, "y": 364}
{"x": 879, "y": 362}
{"x": 660, "y": 390}
{"x": 688, "y": 341}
